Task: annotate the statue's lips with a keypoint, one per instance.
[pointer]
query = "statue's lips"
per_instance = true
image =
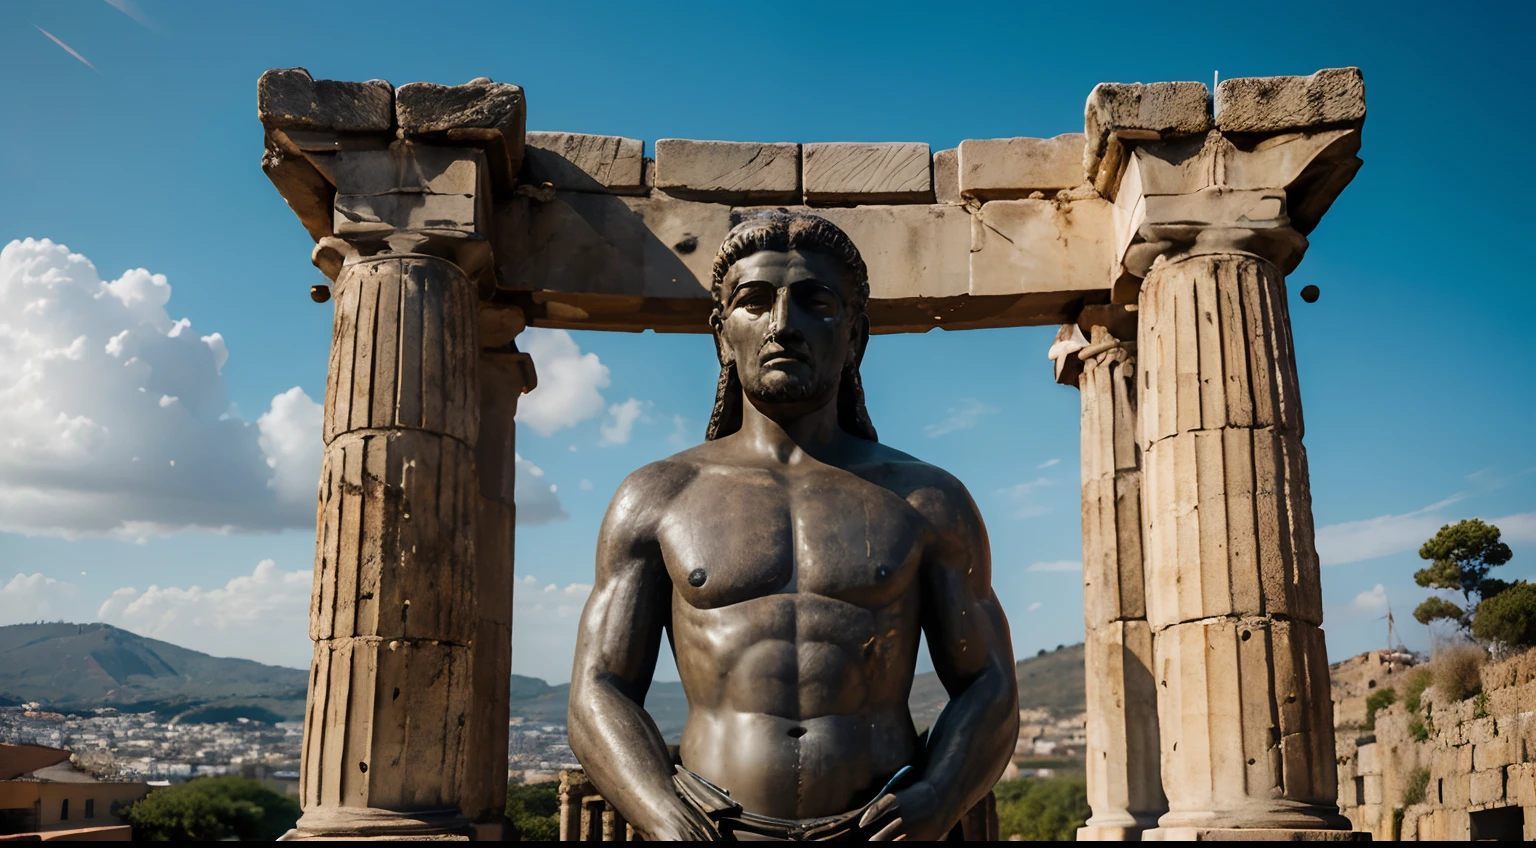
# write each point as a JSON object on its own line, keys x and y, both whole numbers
{"x": 781, "y": 357}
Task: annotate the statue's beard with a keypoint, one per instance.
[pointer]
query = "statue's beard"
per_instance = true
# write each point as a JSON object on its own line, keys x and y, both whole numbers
{"x": 784, "y": 392}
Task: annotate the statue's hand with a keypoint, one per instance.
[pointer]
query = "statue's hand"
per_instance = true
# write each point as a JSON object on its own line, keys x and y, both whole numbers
{"x": 680, "y": 822}
{"x": 911, "y": 815}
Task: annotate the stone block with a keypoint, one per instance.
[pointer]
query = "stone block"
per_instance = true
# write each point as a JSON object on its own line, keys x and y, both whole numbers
{"x": 1276, "y": 104}
{"x": 728, "y": 171}
{"x": 1367, "y": 761}
{"x": 1520, "y": 784}
{"x": 1487, "y": 787}
{"x": 1012, "y": 168}
{"x": 290, "y": 99}
{"x": 403, "y": 166}
{"x": 488, "y": 114}
{"x": 1371, "y": 789}
{"x": 911, "y": 251}
{"x": 1492, "y": 754}
{"x": 1039, "y": 245}
{"x": 580, "y": 162}
{"x": 1503, "y": 702}
{"x": 1136, "y": 111}
{"x": 946, "y": 175}
{"x": 1479, "y": 730}
{"x": 1464, "y": 757}
{"x": 850, "y": 172}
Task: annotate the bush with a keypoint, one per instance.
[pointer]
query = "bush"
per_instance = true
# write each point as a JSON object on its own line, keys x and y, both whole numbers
{"x": 211, "y": 809}
{"x": 534, "y": 810}
{"x": 1417, "y": 730}
{"x": 1413, "y": 690}
{"x": 1457, "y": 671}
{"x": 1042, "y": 809}
{"x": 1508, "y": 617}
{"x": 1378, "y": 700}
{"x": 1413, "y": 789}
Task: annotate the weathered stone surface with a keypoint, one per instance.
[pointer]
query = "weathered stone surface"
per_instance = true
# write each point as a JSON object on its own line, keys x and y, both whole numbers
{"x": 911, "y": 251}
{"x": 579, "y": 162}
{"x": 1124, "y": 785}
{"x": 290, "y": 99}
{"x": 1251, "y": 834}
{"x": 301, "y": 185}
{"x": 488, "y": 114}
{"x": 1276, "y": 104}
{"x": 1134, "y": 111}
{"x": 853, "y": 172}
{"x": 946, "y": 175}
{"x": 1040, "y": 245}
{"x": 729, "y": 171}
{"x": 1487, "y": 786}
{"x": 1012, "y": 168}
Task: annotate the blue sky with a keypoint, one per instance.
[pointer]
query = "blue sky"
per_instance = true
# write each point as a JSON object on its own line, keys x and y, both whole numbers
{"x": 1415, "y": 366}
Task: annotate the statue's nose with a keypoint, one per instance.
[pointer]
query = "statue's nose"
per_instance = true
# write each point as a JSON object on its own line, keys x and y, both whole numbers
{"x": 779, "y": 320}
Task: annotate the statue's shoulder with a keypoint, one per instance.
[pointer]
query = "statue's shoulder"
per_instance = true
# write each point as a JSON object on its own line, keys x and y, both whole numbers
{"x": 936, "y": 493}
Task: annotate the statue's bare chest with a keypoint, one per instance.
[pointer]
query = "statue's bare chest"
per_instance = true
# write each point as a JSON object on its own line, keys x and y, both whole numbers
{"x": 737, "y": 534}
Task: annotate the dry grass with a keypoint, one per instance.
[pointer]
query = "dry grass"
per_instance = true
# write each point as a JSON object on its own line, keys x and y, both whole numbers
{"x": 1457, "y": 671}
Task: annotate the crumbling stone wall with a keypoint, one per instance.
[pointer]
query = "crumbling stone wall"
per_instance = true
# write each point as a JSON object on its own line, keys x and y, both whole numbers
{"x": 1478, "y": 756}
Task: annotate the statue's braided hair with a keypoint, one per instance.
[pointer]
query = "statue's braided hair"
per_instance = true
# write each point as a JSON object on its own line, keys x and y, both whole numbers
{"x": 778, "y": 229}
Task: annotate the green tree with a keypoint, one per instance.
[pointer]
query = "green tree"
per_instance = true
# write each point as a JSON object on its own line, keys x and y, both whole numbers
{"x": 1378, "y": 700}
{"x": 1461, "y": 555}
{"x": 534, "y": 809}
{"x": 1041, "y": 809}
{"x": 211, "y": 809}
{"x": 1508, "y": 617}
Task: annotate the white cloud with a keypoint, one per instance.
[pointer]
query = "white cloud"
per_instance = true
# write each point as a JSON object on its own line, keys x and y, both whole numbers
{"x": 1519, "y": 527}
{"x": 963, "y": 417}
{"x": 1025, "y": 497}
{"x": 544, "y": 620}
{"x": 114, "y": 418}
{"x": 569, "y": 381}
{"x": 1355, "y": 541}
{"x": 290, "y": 439}
{"x": 586, "y": 485}
{"x": 1034, "y": 606}
{"x": 33, "y": 597}
{"x": 620, "y": 423}
{"x": 1056, "y": 565}
{"x": 263, "y": 616}
{"x": 1048, "y": 463}
{"x": 1370, "y": 602}
{"x": 536, "y": 497}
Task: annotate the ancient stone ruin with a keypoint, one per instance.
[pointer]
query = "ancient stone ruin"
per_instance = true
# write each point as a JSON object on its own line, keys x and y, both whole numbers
{"x": 1159, "y": 239}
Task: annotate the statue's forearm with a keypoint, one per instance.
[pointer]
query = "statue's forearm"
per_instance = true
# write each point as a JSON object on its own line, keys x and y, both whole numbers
{"x": 973, "y": 740}
{"x": 621, "y": 750}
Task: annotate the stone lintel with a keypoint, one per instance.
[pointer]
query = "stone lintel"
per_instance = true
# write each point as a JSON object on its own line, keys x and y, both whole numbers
{"x": 580, "y": 162}
{"x": 1013, "y": 168}
{"x": 728, "y": 171}
{"x": 596, "y": 261}
{"x": 1120, "y": 112}
{"x": 290, "y": 99}
{"x": 479, "y": 113}
{"x": 1330, "y": 97}
{"x": 855, "y": 172}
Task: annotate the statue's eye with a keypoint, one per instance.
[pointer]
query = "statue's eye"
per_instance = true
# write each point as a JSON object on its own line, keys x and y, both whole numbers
{"x": 821, "y": 302}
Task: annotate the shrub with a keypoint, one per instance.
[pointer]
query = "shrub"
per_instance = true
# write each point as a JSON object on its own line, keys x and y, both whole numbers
{"x": 1041, "y": 809}
{"x": 1378, "y": 700}
{"x": 1480, "y": 705}
{"x": 1508, "y": 617}
{"x": 211, "y": 809}
{"x": 1457, "y": 671}
{"x": 1413, "y": 690}
{"x": 534, "y": 809}
{"x": 1413, "y": 789}
{"x": 1417, "y": 730}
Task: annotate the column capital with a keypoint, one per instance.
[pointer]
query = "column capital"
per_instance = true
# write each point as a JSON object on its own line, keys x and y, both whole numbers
{"x": 1100, "y": 330}
{"x": 1255, "y": 177}
{"x": 370, "y": 169}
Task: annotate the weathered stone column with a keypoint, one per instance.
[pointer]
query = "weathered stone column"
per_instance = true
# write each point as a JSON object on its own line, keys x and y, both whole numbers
{"x": 411, "y": 623}
{"x": 1124, "y": 785}
{"x": 1213, "y": 222}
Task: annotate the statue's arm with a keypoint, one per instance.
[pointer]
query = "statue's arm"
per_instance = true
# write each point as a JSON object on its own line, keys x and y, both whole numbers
{"x": 974, "y": 737}
{"x": 616, "y": 647}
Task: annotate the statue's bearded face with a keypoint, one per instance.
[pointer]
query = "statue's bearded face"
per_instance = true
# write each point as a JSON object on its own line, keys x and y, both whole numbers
{"x": 788, "y": 324}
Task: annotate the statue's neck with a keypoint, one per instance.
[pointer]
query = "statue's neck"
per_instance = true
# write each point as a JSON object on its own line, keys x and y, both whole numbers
{"x": 787, "y": 435}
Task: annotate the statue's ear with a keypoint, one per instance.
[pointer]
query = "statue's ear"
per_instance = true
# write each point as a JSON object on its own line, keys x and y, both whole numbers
{"x": 858, "y": 339}
{"x": 722, "y": 350}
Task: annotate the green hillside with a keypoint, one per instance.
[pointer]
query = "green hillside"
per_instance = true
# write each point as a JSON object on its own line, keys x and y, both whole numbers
{"x": 1050, "y": 680}
{"x": 84, "y": 666}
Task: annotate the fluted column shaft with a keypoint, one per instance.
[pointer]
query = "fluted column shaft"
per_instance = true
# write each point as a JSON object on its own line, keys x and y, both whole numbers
{"x": 1233, "y": 595}
{"x": 392, "y": 611}
{"x": 1124, "y": 785}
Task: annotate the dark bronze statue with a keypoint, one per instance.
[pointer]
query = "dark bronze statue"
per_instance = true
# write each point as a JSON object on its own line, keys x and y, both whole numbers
{"x": 793, "y": 562}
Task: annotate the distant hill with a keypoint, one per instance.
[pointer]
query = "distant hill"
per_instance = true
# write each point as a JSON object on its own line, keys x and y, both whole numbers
{"x": 84, "y": 666}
